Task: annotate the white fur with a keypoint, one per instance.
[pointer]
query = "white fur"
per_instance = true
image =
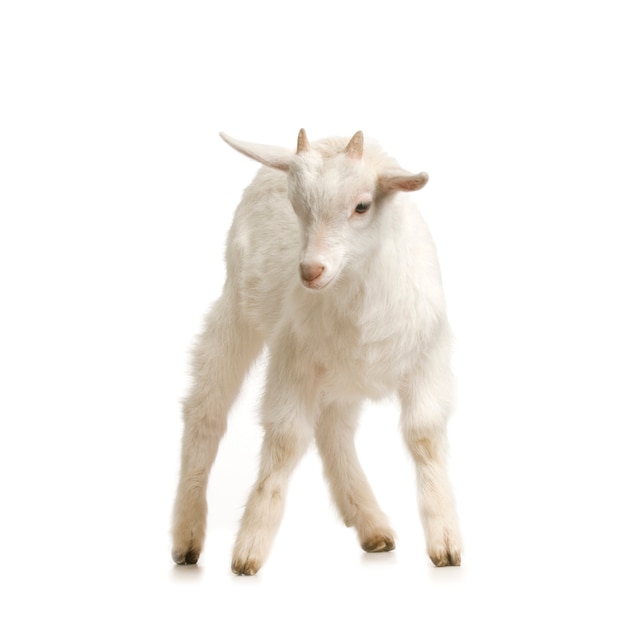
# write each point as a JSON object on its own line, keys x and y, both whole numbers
{"x": 351, "y": 307}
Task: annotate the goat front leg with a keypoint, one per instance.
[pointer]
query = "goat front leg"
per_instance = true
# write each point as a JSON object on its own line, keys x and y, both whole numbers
{"x": 222, "y": 356}
{"x": 288, "y": 432}
{"x": 426, "y": 400}
{"x": 334, "y": 434}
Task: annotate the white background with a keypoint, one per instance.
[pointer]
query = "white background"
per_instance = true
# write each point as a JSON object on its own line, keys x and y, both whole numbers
{"x": 116, "y": 195}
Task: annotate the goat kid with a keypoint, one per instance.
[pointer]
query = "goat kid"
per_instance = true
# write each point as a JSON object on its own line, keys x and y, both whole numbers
{"x": 331, "y": 266}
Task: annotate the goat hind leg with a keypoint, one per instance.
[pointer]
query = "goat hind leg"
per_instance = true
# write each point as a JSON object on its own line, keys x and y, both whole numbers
{"x": 222, "y": 356}
{"x": 350, "y": 489}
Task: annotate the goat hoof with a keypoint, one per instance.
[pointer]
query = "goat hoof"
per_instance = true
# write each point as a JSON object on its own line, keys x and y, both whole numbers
{"x": 446, "y": 557}
{"x": 245, "y": 568}
{"x": 379, "y": 543}
{"x": 188, "y": 557}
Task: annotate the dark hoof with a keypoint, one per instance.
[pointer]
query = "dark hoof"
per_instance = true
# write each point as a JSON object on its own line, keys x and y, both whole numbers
{"x": 245, "y": 568}
{"x": 379, "y": 543}
{"x": 445, "y": 559}
{"x": 186, "y": 558}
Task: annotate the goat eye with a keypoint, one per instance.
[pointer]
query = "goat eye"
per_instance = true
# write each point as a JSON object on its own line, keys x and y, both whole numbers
{"x": 362, "y": 207}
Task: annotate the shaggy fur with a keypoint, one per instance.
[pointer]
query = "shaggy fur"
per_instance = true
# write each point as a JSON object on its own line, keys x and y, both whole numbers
{"x": 330, "y": 265}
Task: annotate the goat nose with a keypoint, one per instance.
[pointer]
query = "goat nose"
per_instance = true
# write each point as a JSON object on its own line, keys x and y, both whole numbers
{"x": 310, "y": 271}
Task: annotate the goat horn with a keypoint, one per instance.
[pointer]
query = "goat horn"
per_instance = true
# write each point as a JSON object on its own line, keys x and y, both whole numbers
{"x": 303, "y": 142}
{"x": 354, "y": 149}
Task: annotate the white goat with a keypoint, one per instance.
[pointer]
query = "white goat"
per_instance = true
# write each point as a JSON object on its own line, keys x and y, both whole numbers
{"x": 336, "y": 271}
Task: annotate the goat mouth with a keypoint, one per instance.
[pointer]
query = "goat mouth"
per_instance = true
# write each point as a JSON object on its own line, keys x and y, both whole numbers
{"x": 317, "y": 285}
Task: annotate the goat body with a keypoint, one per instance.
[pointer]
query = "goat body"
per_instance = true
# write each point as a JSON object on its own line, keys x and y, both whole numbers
{"x": 331, "y": 266}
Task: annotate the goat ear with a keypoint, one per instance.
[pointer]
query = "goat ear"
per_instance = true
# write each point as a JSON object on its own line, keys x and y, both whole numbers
{"x": 402, "y": 181}
{"x": 272, "y": 156}
{"x": 354, "y": 149}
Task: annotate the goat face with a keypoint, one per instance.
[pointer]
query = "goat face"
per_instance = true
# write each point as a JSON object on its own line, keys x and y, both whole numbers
{"x": 336, "y": 197}
{"x": 333, "y": 199}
